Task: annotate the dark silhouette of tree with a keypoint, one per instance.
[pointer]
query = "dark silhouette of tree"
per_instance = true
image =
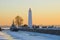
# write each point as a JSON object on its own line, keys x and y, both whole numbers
{"x": 18, "y": 20}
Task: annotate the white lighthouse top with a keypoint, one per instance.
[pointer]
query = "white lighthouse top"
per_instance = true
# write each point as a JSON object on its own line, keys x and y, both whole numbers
{"x": 29, "y": 9}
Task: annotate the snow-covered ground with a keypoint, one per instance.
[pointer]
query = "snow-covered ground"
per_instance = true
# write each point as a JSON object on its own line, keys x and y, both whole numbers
{"x": 4, "y": 36}
{"x": 23, "y": 35}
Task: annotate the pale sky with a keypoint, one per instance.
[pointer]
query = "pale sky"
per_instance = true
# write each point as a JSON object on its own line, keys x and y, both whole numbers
{"x": 46, "y": 12}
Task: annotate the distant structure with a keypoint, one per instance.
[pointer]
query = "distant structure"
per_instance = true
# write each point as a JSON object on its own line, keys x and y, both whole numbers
{"x": 13, "y": 27}
{"x": 30, "y": 18}
{"x": 0, "y": 29}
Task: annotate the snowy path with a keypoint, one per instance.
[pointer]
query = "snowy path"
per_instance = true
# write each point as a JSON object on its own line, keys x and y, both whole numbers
{"x": 4, "y": 36}
{"x": 23, "y": 35}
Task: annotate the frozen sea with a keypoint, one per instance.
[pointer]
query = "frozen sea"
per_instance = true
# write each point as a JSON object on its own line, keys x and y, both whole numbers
{"x": 23, "y": 35}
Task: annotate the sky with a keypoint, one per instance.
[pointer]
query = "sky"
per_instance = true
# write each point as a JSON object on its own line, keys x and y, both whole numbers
{"x": 44, "y": 12}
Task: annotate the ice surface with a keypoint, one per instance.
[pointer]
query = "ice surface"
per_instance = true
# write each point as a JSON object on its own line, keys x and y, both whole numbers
{"x": 23, "y": 35}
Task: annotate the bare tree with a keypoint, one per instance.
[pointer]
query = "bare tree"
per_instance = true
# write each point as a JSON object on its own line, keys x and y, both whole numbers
{"x": 18, "y": 20}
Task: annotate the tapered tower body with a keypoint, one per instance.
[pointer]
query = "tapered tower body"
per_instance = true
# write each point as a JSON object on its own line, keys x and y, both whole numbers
{"x": 30, "y": 18}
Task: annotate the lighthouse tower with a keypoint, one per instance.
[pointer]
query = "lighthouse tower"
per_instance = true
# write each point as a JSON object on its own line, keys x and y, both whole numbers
{"x": 30, "y": 18}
